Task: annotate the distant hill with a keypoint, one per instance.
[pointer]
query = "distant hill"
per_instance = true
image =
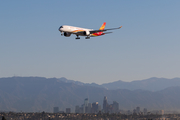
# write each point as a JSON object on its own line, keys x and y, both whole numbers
{"x": 151, "y": 84}
{"x": 79, "y": 83}
{"x": 33, "y": 94}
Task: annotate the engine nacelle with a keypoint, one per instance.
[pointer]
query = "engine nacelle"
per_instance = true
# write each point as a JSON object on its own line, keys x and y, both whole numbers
{"x": 87, "y": 33}
{"x": 66, "y": 34}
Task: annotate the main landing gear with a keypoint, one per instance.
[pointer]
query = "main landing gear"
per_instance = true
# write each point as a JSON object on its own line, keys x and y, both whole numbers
{"x": 87, "y": 37}
{"x": 78, "y": 37}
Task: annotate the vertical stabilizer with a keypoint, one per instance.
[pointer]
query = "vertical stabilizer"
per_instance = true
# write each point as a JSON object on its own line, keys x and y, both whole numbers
{"x": 103, "y": 26}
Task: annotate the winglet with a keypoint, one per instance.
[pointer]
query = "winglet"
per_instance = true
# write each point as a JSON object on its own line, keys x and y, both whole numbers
{"x": 120, "y": 27}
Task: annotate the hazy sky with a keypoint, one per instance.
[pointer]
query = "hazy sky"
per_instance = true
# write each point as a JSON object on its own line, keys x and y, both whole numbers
{"x": 148, "y": 44}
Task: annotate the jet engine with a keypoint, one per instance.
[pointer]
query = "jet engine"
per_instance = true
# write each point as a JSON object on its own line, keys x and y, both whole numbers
{"x": 66, "y": 34}
{"x": 87, "y": 33}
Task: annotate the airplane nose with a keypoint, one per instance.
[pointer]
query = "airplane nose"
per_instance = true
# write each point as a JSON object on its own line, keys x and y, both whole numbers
{"x": 60, "y": 28}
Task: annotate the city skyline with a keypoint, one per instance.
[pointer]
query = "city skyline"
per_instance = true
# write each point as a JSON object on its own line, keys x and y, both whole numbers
{"x": 88, "y": 108}
{"x": 37, "y": 93}
{"x": 94, "y": 107}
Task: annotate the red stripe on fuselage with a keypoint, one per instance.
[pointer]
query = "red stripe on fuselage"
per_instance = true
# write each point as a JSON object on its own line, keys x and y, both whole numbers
{"x": 98, "y": 34}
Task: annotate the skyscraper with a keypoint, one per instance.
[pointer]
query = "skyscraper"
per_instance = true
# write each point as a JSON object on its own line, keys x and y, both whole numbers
{"x": 138, "y": 110}
{"x": 145, "y": 111}
{"x": 95, "y": 107}
{"x": 105, "y": 105}
{"x": 115, "y": 107}
{"x": 85, "y": 107}
{"x": 86, "y": 101}
{"x": 77, "y": 109}
{"x": 68, "y": 110}
{"x": 89, "y": 107}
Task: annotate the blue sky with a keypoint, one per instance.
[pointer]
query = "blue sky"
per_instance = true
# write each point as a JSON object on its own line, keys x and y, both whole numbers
{"x": 146, "y": 46}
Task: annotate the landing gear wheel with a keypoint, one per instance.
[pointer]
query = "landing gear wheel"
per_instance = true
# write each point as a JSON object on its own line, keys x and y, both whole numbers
{"x": 78, "y": 37}
{"x": 87, "y": 37}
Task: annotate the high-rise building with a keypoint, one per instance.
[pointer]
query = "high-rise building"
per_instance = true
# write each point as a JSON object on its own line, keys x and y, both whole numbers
{"x": 77, "y": 109}
{"x": 56, "y": 109}
{"x": 105, "y": 105}
{"x": 138, "y": 110}
{"x": 99, "y": 108}
{"x": 86, "y": 101}
{"x": 110, "y": 108}
{"x": 81, "y": 109}
{"x": 145, "y": 111}
{"x": 68, "y": 110}
{"x": 85, "y": 107}
{"x": 89, "y": 108}
{"x": 134, "y": 111}
{"x": 95, "y": 107}
{"x": 115, "y": 107}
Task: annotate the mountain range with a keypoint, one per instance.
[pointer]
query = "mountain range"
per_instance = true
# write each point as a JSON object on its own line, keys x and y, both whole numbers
{"x": 33, "y": 94}
{"x": 151, "y": 84}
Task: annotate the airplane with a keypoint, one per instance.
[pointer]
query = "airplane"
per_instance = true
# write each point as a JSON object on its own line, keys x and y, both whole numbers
{"x": 68, "y": 30}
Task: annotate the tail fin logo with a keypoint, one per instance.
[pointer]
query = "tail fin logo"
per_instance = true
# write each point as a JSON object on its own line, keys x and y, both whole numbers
{"x": 103, "y": 26}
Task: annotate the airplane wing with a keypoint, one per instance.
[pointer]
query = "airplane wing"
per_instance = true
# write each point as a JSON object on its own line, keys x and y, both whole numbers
{"x": 78, "y": 32}
{"x": 95, "y": 31}
{"x": 107, "y": 32}
{"x": 81, "y": 32}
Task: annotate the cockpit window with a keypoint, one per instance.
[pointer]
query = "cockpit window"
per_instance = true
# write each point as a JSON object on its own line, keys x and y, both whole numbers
{"x": 61, "y": 27}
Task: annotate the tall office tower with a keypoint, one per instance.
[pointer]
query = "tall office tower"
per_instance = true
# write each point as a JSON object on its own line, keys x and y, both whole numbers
{"x": 95, "y": 107}
{"x": 68, "y": 110}
{"x": 115, "y": 107}
{"x": 138, "y": 110}
{"x": 145, "y": 111}
{"x": 85, "y": 107}
{"x": 134, "y": 111}
{"x": 77, "y": 109}
{"x": 105, "y": 105}
{"x": 86, "y": 101}
{"x": 99, "y": 108}
{"x": 81, "y": 109}
{"x": 110, "y": 108}
{"x": 56, "y": 109}
{"x": 89, "y": 108}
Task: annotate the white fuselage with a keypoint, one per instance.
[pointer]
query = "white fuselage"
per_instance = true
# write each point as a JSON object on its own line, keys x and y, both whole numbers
{"x": 72, "y": 29}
